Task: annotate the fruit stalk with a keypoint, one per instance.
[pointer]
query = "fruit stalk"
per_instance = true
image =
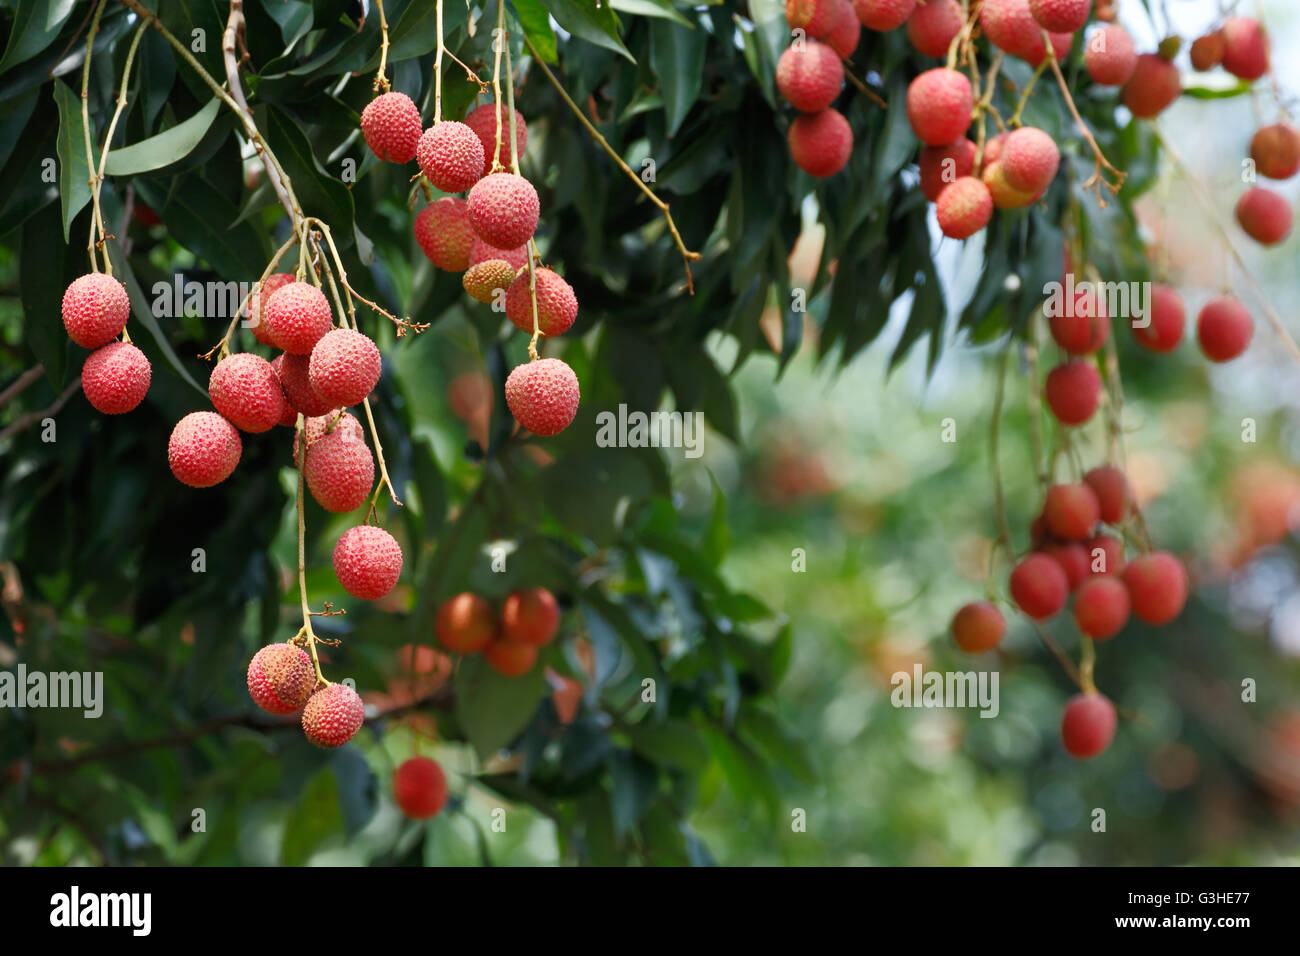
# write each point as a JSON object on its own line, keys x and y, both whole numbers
{"x": 222, "y": 348}
{"x": 306, "y": 631}
{"x": 97, "y": 218}
{"x": 381, "y": 77}
{"x": 1097, "y": 179}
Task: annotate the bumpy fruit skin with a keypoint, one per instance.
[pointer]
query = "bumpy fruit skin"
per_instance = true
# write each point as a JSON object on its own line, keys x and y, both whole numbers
{"x": 503, "y": 209}
{"x": 1039, "y": 587}
{"x": 1011, "y": 27}
{"x": 297, "y": 317}
{"x": 333, "y": 716}
{"x": 932, "y": 26}
{"x": 335, "y": 420}
{"x": 261, "y": 294}
{"x": 281, "y": 678}
{"x": 530, "y": 616}
{"x": 814, "y": 17}
{"x": 1111, "y": 488}
{"x": 1105, "y": 555}
{"x": 1264, "y": 215}
{"x": 1102, "y": 607}
{"x": 340, "y": 471}
{"x": 391, "y": 125}
{"x": 1110, "y": 56}
{"x": 809, "y": 75}
{"x": 367, "y": 562}
{"x": 445, "y": 236}
{"x": 1207, "y": 51}
{"x": 510, "y": 659}
{"x": 845, "y": 30}
{"x": 1224, "y": 329}
{"x": 344, "y": 367}
{"x": 1073, "y": 559}
{"x": 943, "y": 165}
{"x": 1276, "y": 151}
{"x": 1072, "y": 391}
{"x": 820, "y": 143}
{"x": 1157, "y": 586}
{"x": 1154, "y": 85}
{"x": 450, "y": 156}
{"x": 483, "y": 280}
{"x": 115, "y": 378}
{"x": 485, "y": 252}
{"x": 883, "y": 15}
{"x": 419, "y": 788}
{"x": 1030, "y": 160}
{"x": 964, "y": 208}
{"x": 1060, "y": 16}
{"x": 293, "y": 371}
{"x": 543, "y": 396}
{"x": 1245, "y": 48}
{"x": 203, "y": 449}
{"x": 557, "y": 306}
{"x": 1086, "y": 328}
{"x": 939, "y": 104}
{"x": 95, "y": 309}
{"x": 1167, "y": 319}
{"x": 978, "y": 627}
{"x": 246, "y": 391}
{"x": 483, "y": 121}
{"x": 1071, "y": 511}
{"x": 1088, "y": 725}
{"x": 465, "y": 623}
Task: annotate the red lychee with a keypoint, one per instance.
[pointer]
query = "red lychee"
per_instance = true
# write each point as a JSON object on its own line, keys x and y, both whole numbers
{"x": 1029, "y": 160}
{"x": 340, "y": 471}
{"x": 1073, "y": 559}
{"x": 978, "y": 627}
{"x": 1224, "y": 329}
{"x": 465, "y": 623}
{"x": 820, "y": 143}
{"x": 845, "y": 30}
{"x": 1105, "y": 555}
{"x": 509, "y": 658}
{"x": 1245, "y": 48}
{"x": 543, "y": 396}
{"x": 1088, "y": 725}
{"x": 1110, "y": 486}
{"x": 1084, "y": 327}
{"x": 419, "y": 788}
{"x": 445, "y": 236}
{"x": 1154, "y": 85}
{"x": 367, "y": 562}
{"x": 809, "y": 75}
{"x": 333, "y": 716}
{"x": 932, "y": 26}
{"x": 1039, "y": 587}
{"x": 883, "y": 14}
{"x": 293, "y": 371}
{"x": 95, "y": 309}
{"x": 814, "y": 17}
{"x": 503, "y": 209}
{"x": 1071, "y": 511}
{"x": 943, "y": 165}
{"x": 1165, "y": 322}
{"x": 344, "y": 367}
{"x": 1157, "y": 586}
{"x": 483, "y": 121}
{"x": 391, "y": 125}
{"x": 1060, "y": 16}
{"x": 1101, "y": 607}
{"x": 203, "y": 449}
{"x": 296, "y": 317}
{"x": 530, "y": 616}
{"x": 964, "y": 208}
{"x": 1073, "y": 391}
{"x": 1207, "y": 51}
{"x": 246, "y": 391}
{"x": 334, "y": 420}
{"x": 450, "y": 156}
{"x": 262, "y": 293}
{"x": 1004, "y": 196}
{"x": 1011, "y": 27}
{"x": 557, "y": 306}
{"x": 281, "y": 678}
{"x": 1110, "y": 56}
{"x": 115, "y": 378}
{"x": 939, "y": 104}
{"x": 1264, "y": 215}
{"x": 1276, "y": 151}
{"x": 481, "y": 251}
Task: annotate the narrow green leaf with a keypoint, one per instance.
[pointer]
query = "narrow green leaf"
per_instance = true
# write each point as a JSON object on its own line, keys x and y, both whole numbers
{"x": 74, "y": 173}
{"x": 36, "y": 25}
{"x": 677, "y": 57}
{"x": 588, "y": 22}
{"x": 493, "y": 709}
{"x": 652, "y": 8}
{"x": 164, "y": 149}
{"x": 537, "y": 28}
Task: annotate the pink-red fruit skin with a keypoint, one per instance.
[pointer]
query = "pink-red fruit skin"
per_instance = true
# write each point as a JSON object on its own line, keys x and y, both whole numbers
{"x": 450, "y": 156}
{"x": 1111, "y": 488}
{"x": 814, "y": 17}
{"x": 444, "y": 234}
{"x": 1264, "y": 215}
{"x": 503, "y": 209}
{"x": 941, "y": 166}
{"x": 1071, "y": 511}
{"x": 1110, "y": 56}
{"x": 1157, "y": 586}
{"x": 293, "y": 371}
{"x": 1061, "y": 16}
{"x": 932, "y": 26}
{"x": 1084, "y": 327}
{"x": 557, "y": 306}
{"x": 95, "y": 309}
{"x": 333, "y": 716}
{"x": 1166, "y": 321}
{"x": 390, "y": 124}
{"x": 115, "y": 378}
{"x": 882, "y": 15}
{"x": 939, "y": 104}
{"x": 1039, "y": 587}
{"x": 509, "y": 658}
{"x": 543, "y": 396}
{"x": 261, "y": 295}
{"x": 344, "y": 367}
{"x": 1276, "y": 151}
{"x": 1224, "y": 329}
{"x": 1073, "y": 391}
{"x": 367, "y": 562}
{"x": 1245, "y": 48}
{"x": 281, "y": 678}
{"x": 530, "y": 616}
{"x": 296, "y": 317}
{"x": 1101, "y": 607}
{"x": 465, "y": 623}
{"x": 483, "y": 121}
{"x": 1030, "y": 159}
{"x": 419, "y": 788}
{"x": 820, "y": 143}
{"x": 845, "y": 32}
{"x": 1088, "y": 725}
{"x": 964, "y": 208}
{"x": 1154, "y": 85}
{"x": 1010, "y": 26}
{"x": 246, "y": 391}
{"x": 340, "y": 471}
{"x": 809, "y": 75}
{"x": 203, "y": 449}
{"x": 978, "y": 627}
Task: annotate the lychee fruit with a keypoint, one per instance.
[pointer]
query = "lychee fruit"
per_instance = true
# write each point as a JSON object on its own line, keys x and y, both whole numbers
{"x": 484, "y": 279}
{"x": 557, "y": 306}
{"x": 262, "y": 293}
{"x": 543, "y": 396}
{"x": 1207, "y": 51}
{"x": 939, "y": 104}
{"x": 1154, "y": 85}
{"x": 1086, "y": 327}
{"x": 1004, "y": 196}
{"x": 115, "y": 378}
{"x": 1071, "y": 511}
{"x": 809, "y": 75}
{"x": 318, "y": 426}
{"x": 419, "y": 788}
{"x": 1039, "y": 587}
{"x": 1110, "y": 56}
{"x": 296, "y": 317}
{"x": 1030, "y": 159}
{"x": 978, "y": 627}
{"x": 932, "y": 26}
{"x": 465, "y": 623}
{"x": 344, "y": 367}
{"x": 1165, "y": 322}
{"x": 530, "y": 616}
{"x": 883, "y": 15}
{"x": 509, "y": 658}
{"x": 391, "y": 125}
{"x": 1101, "y": 607}
{"x": 820, "y": 143}
{"x": 281, "y": 678}
{"x": 1264, "y": 215}
{"x": 1157, "y": 586}
{"x": 1224, "y": 329}
{"x": 333, "y": 715}
{"x": 483, "y": 121}
{"x": 293, "y": 371}
{"x": 246, "y": 391}
{"x": 367, "y": 562}
{"x": 1110, "y": 486}
{"x": 482, "y": 251}
{"x": 1060, "y": 16}
{"x": 1011, "y": 27}
{"x": 1073, "y": 559}
{"x": 450, "y": 156}
{"x": 845, "y": 30}
{"x": 1073, "y": 391}
{"x": 95, "y": 309}
{"x": 203, "y": 449}
{"x": 964, "y": 208}
{"x": 1088, "y": 725}
{"x": 1276, "y": 151}
{"x": 814, "y": 17}
{"x": 503, "y": 209}
{"x": 1245, "y": 48}
{"x": 340, "y": 471}
{"x": 943, "y": 165}
{"x": 445, "y": 236}
{"x": 1105, "y": 555}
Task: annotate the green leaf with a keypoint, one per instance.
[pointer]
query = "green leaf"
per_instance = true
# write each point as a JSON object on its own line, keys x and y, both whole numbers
{"x": 197, "y": 215}
{"x": 40, "y": 283}
{"x": 74, "y": 173}
{"x": 717, "y": 535}
{"x": 634, "y": 786}
{"x": 493, "y": 709}
{"x": 677, "y": 57}
{"x": 588, "y": 22}
{"x": 318, "y": 816}
{"x": 674, "y": 743}
{"x": 537, "y": 28}
{"x": 321, "y": 195}
{"x": 36, "y": 25}
{"x": 766, "y": 734}
{"x": 652, "y": 8}
{"x": 164, "y": 149}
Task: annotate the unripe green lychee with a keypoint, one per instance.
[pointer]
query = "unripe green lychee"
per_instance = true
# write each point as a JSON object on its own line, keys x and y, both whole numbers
{"x": 503, "y": 209}
{"x": 335, "y": 420}
{"x": 281, "y": 678}
{"x": 820, "y": 143}
{"x": 95, "y": 309}
{"x": 484, "y": 279}
{"x": 942, "y": 165}
{"x": 1165, "y": 323}
{"x": 1154, "y": 85}
{"x": 246, "y": 391}
{"x": 1029, "y": 160}
{"x": 1224, "y": 329}
{"x": 296, "y": 317}
{"x": 1157, "y": 586}
{"x": 1088, "y": 725}
{"x": 115, "y": 378}
{"x": 450, "y": 156}
{"x": 367, "y": 562}
{"x": 814, "y": 17}
{"x": 1110, "y": 56}
{"x": 1207, "y": 51}
{"x": 1110, "y": 486}
{"x": 333, "y": 716}
{"x": 509, "y": 658}
{"x": 978, "y": 627}
{"x": 465, "y": 623}
{"x": 344, "y": 367}
{"x": 1073, "y": 391}
{"x": 483, "y": 121}
{"x": 1264, "y": 215}
{"x": 1245, "y": 48}
{"x": 1276, "y": 151}
{"x": 530, "y": 616}
{"x": 809, "y": 75}
{"x": 445, "y": 236}
{"x": 932, "y": 26}
{"x": 543, "y": 396}
{"x": 419, "y": 788}
{"x": 203, "y": 449}
{"x": 883, "y": 15}
{"x": 964, "y": 208}
{"x": 1071, "y": 511}
{"x": 1039, "y": 587}
{"x": 390, "y": 124}
{"x": 340, "y": 471}
{"x": 845, "y": 30}
{"x": 482, "y": 251}
{"x": 295, "y": 380}
{"x": 939, "y": 104}
{"x": 557, "y": 306}
{"x": 1060, "y": 16}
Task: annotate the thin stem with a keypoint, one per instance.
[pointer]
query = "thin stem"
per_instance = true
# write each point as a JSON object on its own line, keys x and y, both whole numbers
{"x": 306, "y": 631}
{"x": 999, "y": 500}
{"x": 1062, "y": 658}
{"x": 223, "y": 347}
{"x": 96, "y": 217}
{"x": 381, "y": 78}
{"x": 437, "y": 71}
{"x": 498, "y": 42}
{"x": 1097, "y": 179}
{"x": 401, "y": 324}
{"x": 1087, "y": 664}
{"x": 1026, "y": 92}
{"x": 862, "y": 87}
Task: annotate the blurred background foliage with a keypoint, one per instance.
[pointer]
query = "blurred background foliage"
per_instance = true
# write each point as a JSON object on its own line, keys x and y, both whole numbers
{"x": 824, "y": 439}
